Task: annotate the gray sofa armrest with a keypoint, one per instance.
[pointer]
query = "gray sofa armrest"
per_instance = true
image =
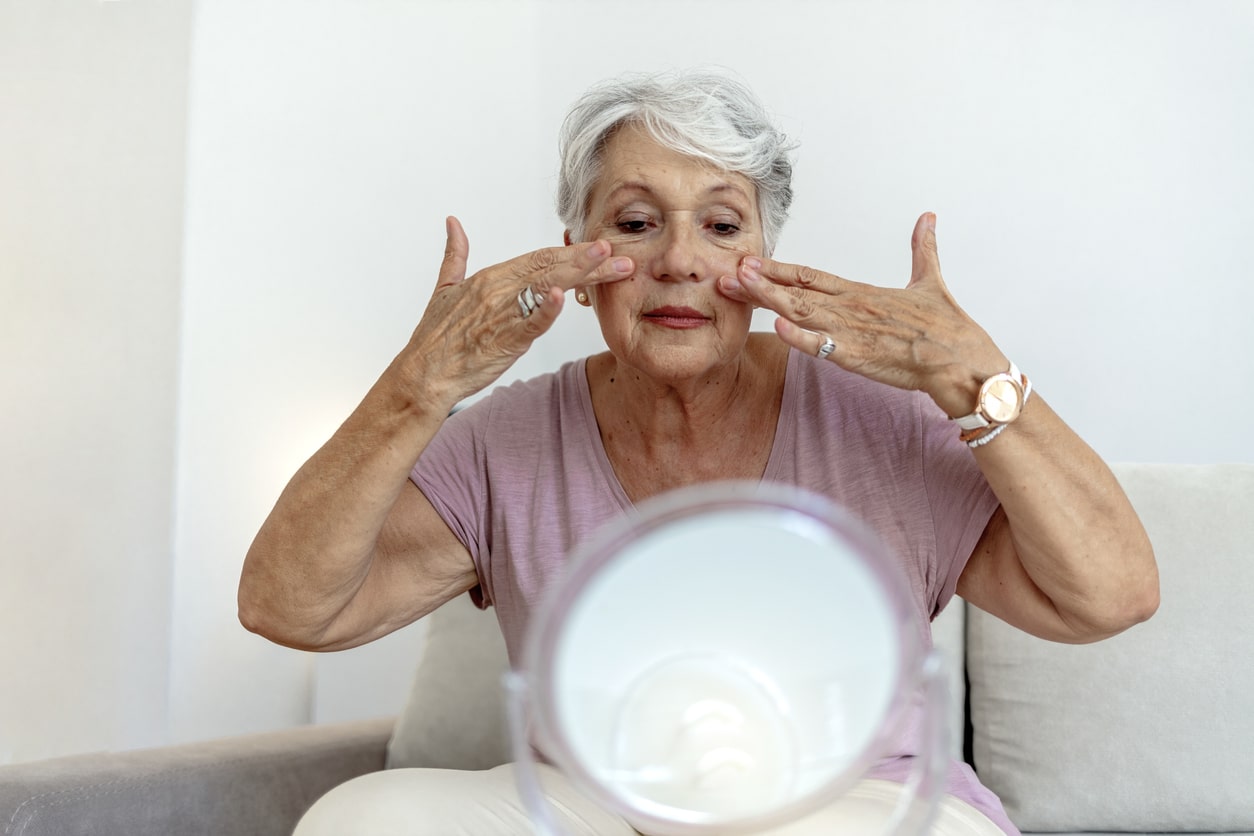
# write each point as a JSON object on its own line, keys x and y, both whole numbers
{"x": 258, "y": 785}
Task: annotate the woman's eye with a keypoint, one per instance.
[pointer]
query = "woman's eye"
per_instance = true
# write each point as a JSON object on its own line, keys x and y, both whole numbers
{"x": 724, "y": 228}
{"x": 634, "y": 225}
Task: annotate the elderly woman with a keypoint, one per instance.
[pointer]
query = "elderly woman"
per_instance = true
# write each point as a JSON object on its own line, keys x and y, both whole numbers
{"x": 892, "y": 402}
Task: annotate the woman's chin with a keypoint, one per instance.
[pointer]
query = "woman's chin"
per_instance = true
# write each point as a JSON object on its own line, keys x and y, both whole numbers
{"x": 678, "y": 361}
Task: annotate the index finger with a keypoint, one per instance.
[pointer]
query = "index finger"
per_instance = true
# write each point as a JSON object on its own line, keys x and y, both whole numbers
{"x": 795, "y": 275}
{"x": 575, "y": 265}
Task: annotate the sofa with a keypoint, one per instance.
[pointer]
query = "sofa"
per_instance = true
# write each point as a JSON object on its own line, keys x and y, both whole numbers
{"x": 1151, "y": 731}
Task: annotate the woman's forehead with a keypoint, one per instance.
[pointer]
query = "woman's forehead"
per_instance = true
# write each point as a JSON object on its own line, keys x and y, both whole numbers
{"x": 634, "y": 163}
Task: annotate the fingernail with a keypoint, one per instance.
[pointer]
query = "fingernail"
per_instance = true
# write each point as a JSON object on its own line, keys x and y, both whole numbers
{"x": 749, "y": 273}
{"x": 753, "y": 263}
{"x": 598, "y": 248}
{"x": 729, "y": 283}
{"x": 621, "y": 265}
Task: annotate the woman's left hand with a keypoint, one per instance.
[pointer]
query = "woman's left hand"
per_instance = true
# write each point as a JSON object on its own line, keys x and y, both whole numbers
{"x": 1066, "y": 557}
{"x": 912, "y": 338}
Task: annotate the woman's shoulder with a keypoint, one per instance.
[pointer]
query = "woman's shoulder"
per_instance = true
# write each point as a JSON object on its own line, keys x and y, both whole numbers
{"x": 822, "y": 391}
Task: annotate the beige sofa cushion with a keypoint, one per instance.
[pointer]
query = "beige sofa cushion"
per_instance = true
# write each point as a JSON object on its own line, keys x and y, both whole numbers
{"x": 1152, "y": 730}
{"x": 455, "y": 715}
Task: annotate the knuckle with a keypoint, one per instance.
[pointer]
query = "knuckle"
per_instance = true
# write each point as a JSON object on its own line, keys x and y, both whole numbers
{"x": 542, "y": 260}
{"x": 803, "y": 307}
{"x": 532, "y": 328}
{"x": 808, "y": 277}
{"x": 869, "y": 343}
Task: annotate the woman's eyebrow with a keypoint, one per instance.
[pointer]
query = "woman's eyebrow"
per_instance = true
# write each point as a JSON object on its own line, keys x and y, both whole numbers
{"x": 641, "y": 186}
{"x": 719, "y": 188}
{"x": 628, "y": 186}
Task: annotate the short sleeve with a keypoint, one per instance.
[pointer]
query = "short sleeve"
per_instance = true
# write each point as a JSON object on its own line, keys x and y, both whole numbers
{"x": 960, "y": 500}
{"x": 452, "y": 474}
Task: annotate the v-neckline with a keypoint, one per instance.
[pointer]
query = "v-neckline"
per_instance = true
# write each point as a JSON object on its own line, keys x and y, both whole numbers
{"x": 783, "y": 436}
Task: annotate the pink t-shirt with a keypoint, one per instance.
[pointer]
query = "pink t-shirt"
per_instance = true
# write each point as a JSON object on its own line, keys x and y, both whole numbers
{"x": 522, "y": 479}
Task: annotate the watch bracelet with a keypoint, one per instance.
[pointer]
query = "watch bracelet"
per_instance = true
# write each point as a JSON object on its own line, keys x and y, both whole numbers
{"x": 983, "y": 435}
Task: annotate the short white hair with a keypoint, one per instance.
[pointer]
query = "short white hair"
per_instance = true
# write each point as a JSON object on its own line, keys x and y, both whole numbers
{"x": 702, "y": 113}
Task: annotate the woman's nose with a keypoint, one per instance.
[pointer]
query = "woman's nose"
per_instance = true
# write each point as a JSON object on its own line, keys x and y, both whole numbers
{"x": 680, "y": 258}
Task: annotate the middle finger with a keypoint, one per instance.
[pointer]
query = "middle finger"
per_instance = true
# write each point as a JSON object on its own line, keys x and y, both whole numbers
{"x": 570, "y": 266}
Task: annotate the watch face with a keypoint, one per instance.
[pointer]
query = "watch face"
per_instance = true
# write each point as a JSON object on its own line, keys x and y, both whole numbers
{"x": 1001, "y": 398}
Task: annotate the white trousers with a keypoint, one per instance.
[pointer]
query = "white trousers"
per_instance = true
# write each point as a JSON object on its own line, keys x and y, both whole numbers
{"x": 446, "y": 802}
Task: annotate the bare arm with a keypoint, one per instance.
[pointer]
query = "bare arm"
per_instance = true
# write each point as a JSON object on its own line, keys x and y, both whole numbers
{"x": 352, "y": 549}
{"x": 1065, "y": 557}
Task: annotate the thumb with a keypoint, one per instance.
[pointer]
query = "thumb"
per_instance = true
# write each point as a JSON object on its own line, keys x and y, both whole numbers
{"x": 924, "y": 259}
{"x": 456, "y": 251}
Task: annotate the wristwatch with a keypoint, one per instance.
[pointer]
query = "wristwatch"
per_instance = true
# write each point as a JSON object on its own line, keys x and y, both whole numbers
{"x": 1000, "y": 401}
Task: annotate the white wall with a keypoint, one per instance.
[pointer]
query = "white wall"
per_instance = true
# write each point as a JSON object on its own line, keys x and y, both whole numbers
{"x": 92, "y": 125}
{"x": 1088, "y": 161}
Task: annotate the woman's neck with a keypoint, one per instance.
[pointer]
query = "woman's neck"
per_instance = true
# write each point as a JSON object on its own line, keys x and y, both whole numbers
{"x": 661, "y": 434}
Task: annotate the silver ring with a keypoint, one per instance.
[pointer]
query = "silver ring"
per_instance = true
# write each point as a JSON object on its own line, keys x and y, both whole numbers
{"x": 529, "y": 300}
{"x": 826, "y": 348}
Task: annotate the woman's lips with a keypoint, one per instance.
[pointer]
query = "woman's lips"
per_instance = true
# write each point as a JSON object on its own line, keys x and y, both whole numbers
{"x": 675, "y": 317}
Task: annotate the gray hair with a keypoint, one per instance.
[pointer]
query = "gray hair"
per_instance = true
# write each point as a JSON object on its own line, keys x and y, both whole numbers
{"x": 702, "y": 113}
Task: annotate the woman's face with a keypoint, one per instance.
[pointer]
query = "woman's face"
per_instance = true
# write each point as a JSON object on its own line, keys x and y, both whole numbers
{"x": 684, "y": 223}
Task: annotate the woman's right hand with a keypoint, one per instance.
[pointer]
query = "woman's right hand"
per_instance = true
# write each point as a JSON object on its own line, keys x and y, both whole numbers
{"x": 473, "y": 329}
{"x": 352, "y": 550}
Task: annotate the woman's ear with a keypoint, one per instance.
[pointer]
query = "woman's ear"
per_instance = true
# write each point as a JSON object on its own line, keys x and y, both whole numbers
{"x": 566, "y": 238}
